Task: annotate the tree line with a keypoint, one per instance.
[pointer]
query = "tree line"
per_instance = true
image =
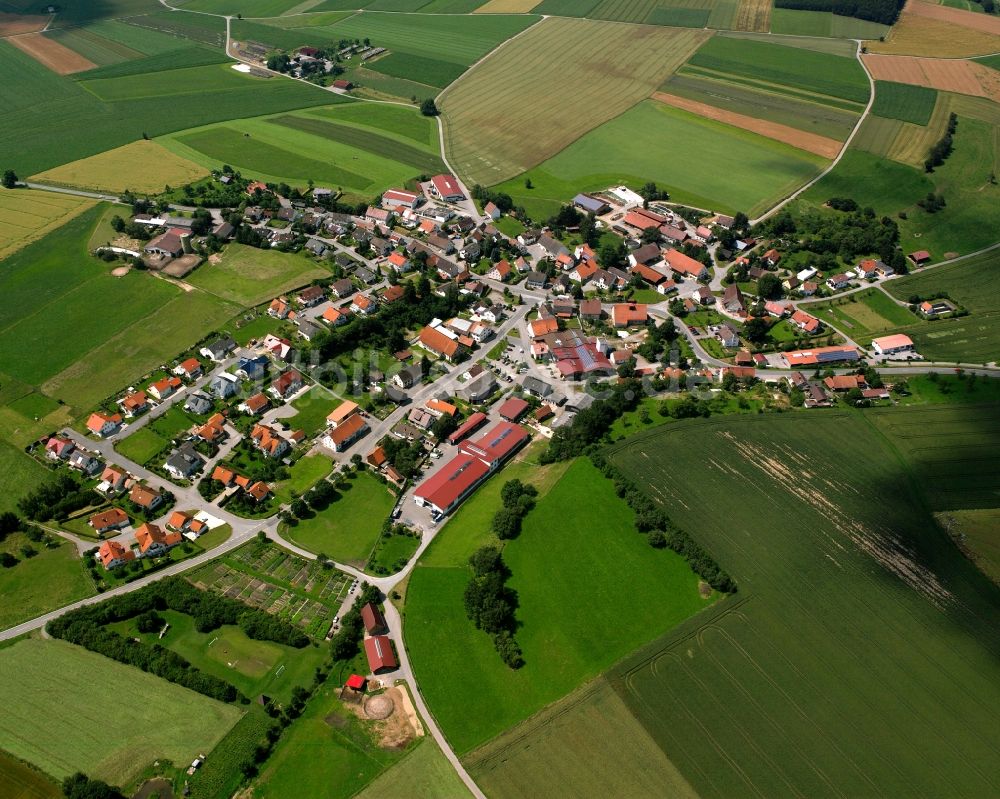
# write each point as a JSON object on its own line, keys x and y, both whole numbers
{"x": 56, "y": 499}
{"x": 942, "y": 148}
{"x": 490, "y": 603}
{"x": 882, "y": 11}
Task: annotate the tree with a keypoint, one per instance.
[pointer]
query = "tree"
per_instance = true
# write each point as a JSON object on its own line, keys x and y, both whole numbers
{"x": 730, "y": 382}
{"x": 80, "y": 786}
{"x": 769, "y": 287}
{"x": 528, "y": 184}
{"x": 429, "y": 108}
{"x": 755, "y": 330}
{"x": 9, "y": 179}
{"x": 506, "y": 524}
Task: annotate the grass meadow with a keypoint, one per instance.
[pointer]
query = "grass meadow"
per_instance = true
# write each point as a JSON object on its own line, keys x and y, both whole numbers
{"x": 423, "y": 773}
{"x": 348, "y": 529}
{"x": 864, "y": 314}
{"x": 515, "y": 109}
{"x": 749, "y": 172}
{"x": 904, "y": 102}
{"x": 632, "y": 591}
{"x": 26, "y": 215}
{"x": 49, "y": 580}
{"x": 54, "y": 718}
{"x": 794, "y": 22}
{"x": 856, "y": 617}
{"x": 249, "y": 276}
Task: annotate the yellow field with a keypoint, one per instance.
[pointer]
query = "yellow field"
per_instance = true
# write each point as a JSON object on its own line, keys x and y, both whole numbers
{"x": 544, "y": 90}
{"x": 753, "y": 15}
{"x": 914, "y": 141}
{"x": 507, "y": 7}
{"x": 27, "y": 214}
{"x": 142, "y": 166}
{"x": 920, "y": 35}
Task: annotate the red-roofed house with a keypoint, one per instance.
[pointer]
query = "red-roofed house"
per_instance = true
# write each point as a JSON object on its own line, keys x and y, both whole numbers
{"x": 803, "y": 321}
{"x": 113, "y": 519}
{"x": 101, "y": 424}
{"x": 162, "y": 389}
{"x": 381, "y": 658}
{"x": 439, "y": 343}
{"x": 542, "y": 327}
{"x": 447, "y": 188}
{"x": 112, "y": 555}
{"x": 154, "y": 541}
{"x": 513, "y": 409}
{"x": 134, "y": 403}
{"x": 59, "y": 448}
{"x": 346, "y": 433}
{"x": 190, "y": 368}
{"x": 685, "y": 265}
{"x": 898, "y": 344}
{"x": 629, "y": 314}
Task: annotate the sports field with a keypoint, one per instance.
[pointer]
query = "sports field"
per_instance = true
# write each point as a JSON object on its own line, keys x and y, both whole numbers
{"x": 348, "y": 529}
{"x": 635, "y": 591}
{"x": 142, "y": 166}
{"x": 253, "y": 667}
{"x": 515, "y": 109}
{"x": 54, "y": 719}
{"x": 27, "y": 214}
{"x": 248, "y": 275}
{"x": 749, "y": 172}
{"x": 856, "y": 616}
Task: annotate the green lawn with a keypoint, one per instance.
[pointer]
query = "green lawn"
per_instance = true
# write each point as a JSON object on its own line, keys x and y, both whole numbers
{"x": 49, "y": 580}
{"x": 21, "y": 474}
{"x": 864, "y": 314}
{"x": 313, "y": 407}
{"x": 424, "y": 773}
{"x": 305, "y": 472}
{"x": 253, "y": 667}
{"x": 142, "y": 446}
{"x": 574, "y": 622}
{"x": 249, "y": 276}
{"x": 749, "y": 172}
{"x": 857, "y": 620}
{"x": 393, "y": 552}
{"x": 51, "y": 718}
{"x": 348, "y": 529}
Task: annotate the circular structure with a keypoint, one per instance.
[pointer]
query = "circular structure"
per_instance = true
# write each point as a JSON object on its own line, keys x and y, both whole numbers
{"x": 120, "y": 271}
{"x": 379, "y": 707}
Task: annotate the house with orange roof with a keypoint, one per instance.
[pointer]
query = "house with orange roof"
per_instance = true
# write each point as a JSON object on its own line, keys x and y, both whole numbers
{"x": 440, "y": 407}
{"x": 500, "y": 271}
{"x": 685, "y": 265}
{"x": 135, "y": 403}
{"x": 259, "y": 491}
{"x": 197, "y": 526}
{"x": 113, "y": 555}
{"x": 106, "y": 521}
{"x": 102, "y": 424}
{"x": 399, "y": 262}
{"x": 145, "y": 497}
{"x": 224, "y": 475}
{"x": 112, "y": 480}
{"x": 255, "y": 404}
{"x": 269, "y": 441}
{"x": 363, "y": 304}
{"x": 894, "y": 346}
{"x": 341, "y": 437}
{"x": 629, "y": 314}
{"x": 162, "y": 389}
{"x": 213, "y": 431}
{"x": 341, "y": 413}
{"x": 287, "y": 383}
{"x": 392, "y": 294}
{"x": 440, "y": 344}
{"x": 59, "y": 448}
{"x": 803, "y": 321}
{"x": 542, "y": 327}
{"x": 279, "y": 308}
{"x": 179, "y": 520}
{"x": 336, "y": 316}
{"x": 154, "y": 541}
{"x": 190, "y": 368}
{"x": 376, "y": 457}
{"x": 583, "y": 271}
{"x": 242, "y": 482}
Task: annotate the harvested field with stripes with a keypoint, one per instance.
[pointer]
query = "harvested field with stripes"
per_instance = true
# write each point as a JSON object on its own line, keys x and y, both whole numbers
{"x": 506, "y": 7}
{"x": 987, "y": 23}
{"x": 918, "y": 34}
{"x": 901, "y": 141}
{"x": 525, "y": 103}
{"x": 753, "y": 15}
{"x": 948, "y": 75}
{"x": 26, "y": 215}
{"x": 50, "y": 53}
{"x": 810, "y": 142}
{"x": 16, "y": 24}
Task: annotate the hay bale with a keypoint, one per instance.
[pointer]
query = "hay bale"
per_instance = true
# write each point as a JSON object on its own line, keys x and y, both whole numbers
{"x": 379, "y": 707}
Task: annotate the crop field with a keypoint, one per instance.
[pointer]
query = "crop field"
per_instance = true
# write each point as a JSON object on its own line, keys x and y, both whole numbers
{"x": 270, "y": 578}
{"x": 952, "y": 451}
{"x": 42, "y": 106}
{"x": 253, "y": 667}
{"x": 918, "y": 34}
{"x": 765, "y": 105}
{"x": 563, "y": 750}
{"x": 194, "y": 27}
{"x": 163, "y": 61}
{"x": 588, "y": 638}
{"x": 383, "y": 146}
{"x": 142, "y": 166}
{"x": 248, "y": 275}
{"x": 50, "y": 53}
{"x": 808, "y": 74}
{"x": 423, "y": 773}
{"x": 173, "y": 82}
{"x": 349, "y": 528}
{"x": 978, "y": 531}
{"x": 27, "y": 214}
{"x": 17, "y": 24}
{"x": 856, "y": 617}
{"x": 824, "y": 23}
{"x": 506, "y": 7}
{"x": 904, "y": 102}
{"x": 51, "y": 719}
{"x": 18, "y": 781}
{"x": 948, "y": 75}
{"x": 803, "y": 140}
{"x": 513, "y": 111}
{"x": 403, "y": 123}
{"x": 904, "y": 141}
{"x": 863, "y": 314}
{"x": 751, "y": 172}
{"x": 92, "y": 46}
{"x": 49, "y": 580}
{"x": 838, "y": 47}
{"x": 73, "y": 13}
{"x": 253, "y": 8}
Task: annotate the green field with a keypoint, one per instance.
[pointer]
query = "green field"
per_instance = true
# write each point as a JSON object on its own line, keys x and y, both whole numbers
{"x": 968, "y": 221}
{"x": 978, "y": 531}
{"x": 863, "y": 314}
{"x": 809, "y": 74}
{"x": 348, "y": 529}
{"x": 492, "y": 136}
{"x": 49, "y": 580}
{"x": 51, "y": 717}
{"x": 253, "y": 8}
{"x": 253, "y": 667}
{"x": 356, "y": 155}
{"x": 750, "y": 173}
{"x": 249, "y": 276}
{"x": 43, "y": 107}
{"x": 94, "y": 47}
{"x": 423, "y": 773}
{"x": 857, "y": 619}
{"x": 26, "y": 215}
{"x": 160, "y": 63}
{"x": 304, "y": 474}
{"x": 329, "y": 752}
{"x": 764, "y": 104}
{"x": 313, "y": 407}
{"x": 19, "y": 781}
{"x": 904, "y": 101}
{"x": 143, "y": 445}
{"x": 574, "y": 622}
{"x": 22, "y": 473}
{"x": 823, "y": 23}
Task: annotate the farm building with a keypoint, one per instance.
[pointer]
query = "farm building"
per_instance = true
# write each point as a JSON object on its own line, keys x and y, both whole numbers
{"x": 896, "y": 345}
{"x": 590, "y": 205}
{"x": 373, "y": 620}
{"x": 818, "y": 355}
{"x": 447, "y": 188}
{"x": 381, "y": 658}
{"x": 513, "y": 409}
